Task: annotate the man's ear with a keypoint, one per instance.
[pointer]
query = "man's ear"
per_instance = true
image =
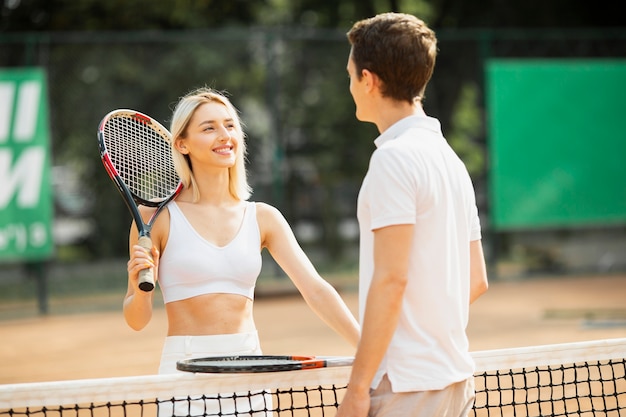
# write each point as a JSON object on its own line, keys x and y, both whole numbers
{"x": 370, "y": 80}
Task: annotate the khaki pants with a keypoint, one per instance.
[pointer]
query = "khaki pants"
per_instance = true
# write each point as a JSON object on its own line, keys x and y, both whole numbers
{"x": 455, "y": 400}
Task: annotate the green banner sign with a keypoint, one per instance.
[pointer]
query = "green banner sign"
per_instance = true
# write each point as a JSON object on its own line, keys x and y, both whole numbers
{"x": 26, "y": 211}
{"x": 557, "y": 143}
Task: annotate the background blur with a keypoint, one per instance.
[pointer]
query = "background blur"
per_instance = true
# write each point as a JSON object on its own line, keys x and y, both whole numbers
{"x": 283, "y": 64}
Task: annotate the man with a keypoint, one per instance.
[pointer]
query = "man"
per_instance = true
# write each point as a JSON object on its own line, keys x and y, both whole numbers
{"x": 421, "y": 259}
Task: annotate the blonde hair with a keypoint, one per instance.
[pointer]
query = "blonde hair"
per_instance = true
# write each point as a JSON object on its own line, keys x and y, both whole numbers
{"x": 238, "y": 182}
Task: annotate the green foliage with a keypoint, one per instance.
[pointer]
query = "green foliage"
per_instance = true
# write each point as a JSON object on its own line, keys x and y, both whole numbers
{"x": 467, "y": 128}
{"x": 297, "y": 113}
{"x": 282, "y": 62}
{"x": 72, "y": 15}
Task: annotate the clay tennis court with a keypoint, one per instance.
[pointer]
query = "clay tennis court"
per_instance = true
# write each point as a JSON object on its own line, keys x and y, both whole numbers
{"x": 528, "y": 312}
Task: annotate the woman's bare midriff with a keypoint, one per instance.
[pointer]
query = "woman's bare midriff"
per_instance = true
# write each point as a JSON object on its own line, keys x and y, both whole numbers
{"x": 210, "y": 314}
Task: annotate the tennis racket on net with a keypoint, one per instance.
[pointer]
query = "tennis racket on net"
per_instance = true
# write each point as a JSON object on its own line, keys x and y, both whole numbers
{"x": 260, "y": 363}
{"x": 135, "y": 150}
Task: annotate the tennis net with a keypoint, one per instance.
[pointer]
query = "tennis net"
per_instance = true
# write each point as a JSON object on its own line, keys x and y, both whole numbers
{"x": 574, "y": 379}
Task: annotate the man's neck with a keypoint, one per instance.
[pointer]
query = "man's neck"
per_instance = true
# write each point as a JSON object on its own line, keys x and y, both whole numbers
{"x": 392, "y": 111}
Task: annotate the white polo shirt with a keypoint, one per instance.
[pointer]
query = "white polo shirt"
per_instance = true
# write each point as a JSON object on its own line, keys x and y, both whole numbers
{"x": 414, "y": 177}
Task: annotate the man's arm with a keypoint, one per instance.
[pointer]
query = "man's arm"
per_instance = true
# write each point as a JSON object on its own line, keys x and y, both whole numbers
{"x": 478, "y": 271}
{"x": 382, "y": 311}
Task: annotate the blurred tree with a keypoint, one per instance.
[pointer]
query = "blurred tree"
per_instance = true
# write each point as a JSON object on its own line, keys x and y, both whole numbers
{"x": 283, "y": 61}
{"x": 526, "y": 14}
{"x": 70, "y": 15}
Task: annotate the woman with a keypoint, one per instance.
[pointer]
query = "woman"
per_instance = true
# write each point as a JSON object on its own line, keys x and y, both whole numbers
{"x": 207, "y": 245}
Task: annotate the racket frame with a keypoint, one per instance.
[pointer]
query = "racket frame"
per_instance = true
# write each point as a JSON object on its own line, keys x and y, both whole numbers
{"x": 275, "y": 363}
{"x": 133, "y": 201}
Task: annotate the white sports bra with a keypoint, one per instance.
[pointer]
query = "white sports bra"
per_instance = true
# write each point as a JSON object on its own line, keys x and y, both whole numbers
{"x": 190, "y": 266}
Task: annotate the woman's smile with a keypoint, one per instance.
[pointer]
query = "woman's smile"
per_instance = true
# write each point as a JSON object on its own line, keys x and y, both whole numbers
{"x": 224, "y": 150}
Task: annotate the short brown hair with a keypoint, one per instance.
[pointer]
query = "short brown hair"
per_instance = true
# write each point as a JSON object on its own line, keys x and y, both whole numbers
{"x": 399, "y": 48}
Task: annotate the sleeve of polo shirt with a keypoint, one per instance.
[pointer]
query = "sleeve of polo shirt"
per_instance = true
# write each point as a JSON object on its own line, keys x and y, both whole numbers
{"x": 392, "y": 189}
{"x": 475, "y": 230}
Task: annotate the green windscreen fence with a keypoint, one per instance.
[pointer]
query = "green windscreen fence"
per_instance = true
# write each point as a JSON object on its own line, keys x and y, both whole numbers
{"x": 557, "y": 143}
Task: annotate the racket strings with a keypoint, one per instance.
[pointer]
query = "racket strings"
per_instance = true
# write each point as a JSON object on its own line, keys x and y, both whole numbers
{"x": 142, "y": 157}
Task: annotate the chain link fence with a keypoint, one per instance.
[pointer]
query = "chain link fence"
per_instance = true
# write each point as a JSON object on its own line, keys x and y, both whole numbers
{"x": 307, "y": 152}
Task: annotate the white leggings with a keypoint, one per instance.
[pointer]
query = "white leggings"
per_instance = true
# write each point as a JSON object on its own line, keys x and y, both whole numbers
{"x": 177, "y": 348}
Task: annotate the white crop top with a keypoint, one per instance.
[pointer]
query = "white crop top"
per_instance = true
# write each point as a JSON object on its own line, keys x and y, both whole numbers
{"x": 191, "y": 266}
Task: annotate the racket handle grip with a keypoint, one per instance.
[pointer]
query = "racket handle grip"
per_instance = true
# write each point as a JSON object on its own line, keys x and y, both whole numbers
{"x": 146, "y": 276}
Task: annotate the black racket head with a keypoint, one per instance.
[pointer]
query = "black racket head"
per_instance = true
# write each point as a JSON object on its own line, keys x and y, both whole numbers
{"x": 243, "y": 364}
{"x": 136, "y": 151}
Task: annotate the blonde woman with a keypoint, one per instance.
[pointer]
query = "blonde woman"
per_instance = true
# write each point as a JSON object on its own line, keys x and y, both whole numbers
{"x": 207, "y": 245}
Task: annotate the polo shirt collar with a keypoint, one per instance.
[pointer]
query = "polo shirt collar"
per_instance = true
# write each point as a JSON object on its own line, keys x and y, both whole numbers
{"x": 410, "y": 122}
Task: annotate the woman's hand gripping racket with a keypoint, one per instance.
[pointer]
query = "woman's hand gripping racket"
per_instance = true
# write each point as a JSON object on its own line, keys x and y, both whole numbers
{"x": 260, "y": 363}
{"x": 135, "y": 150}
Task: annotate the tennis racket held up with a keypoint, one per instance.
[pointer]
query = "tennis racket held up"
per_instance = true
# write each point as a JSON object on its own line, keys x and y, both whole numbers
{"x": 136, "y": 153}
